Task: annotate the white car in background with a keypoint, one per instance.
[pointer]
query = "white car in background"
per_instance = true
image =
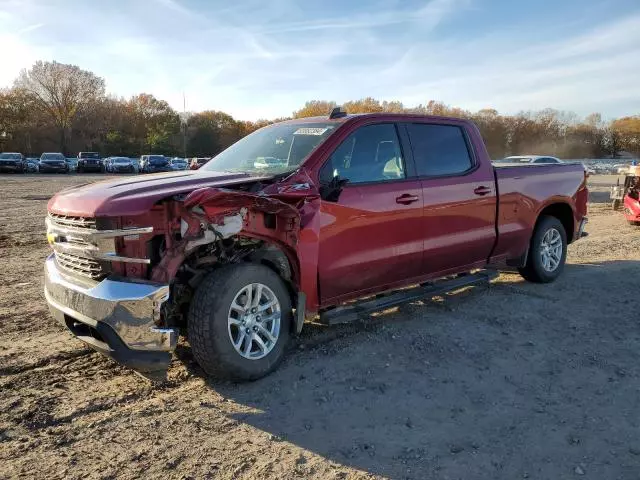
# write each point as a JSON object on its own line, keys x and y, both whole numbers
{"x": 529, "y": 159}
{"x": 269, "y": 162}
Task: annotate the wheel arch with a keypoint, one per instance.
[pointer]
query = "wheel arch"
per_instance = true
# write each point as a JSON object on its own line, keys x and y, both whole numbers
{"x": 563, "y": 212}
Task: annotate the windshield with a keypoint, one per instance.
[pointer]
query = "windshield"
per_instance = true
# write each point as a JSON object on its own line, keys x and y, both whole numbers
{"x": 52, "y": 156}
{"x": 10, "y": 156}
{"x": 121, "y": 160}
{"x": 89, "y": 155}
{"x": 275, "y": 149}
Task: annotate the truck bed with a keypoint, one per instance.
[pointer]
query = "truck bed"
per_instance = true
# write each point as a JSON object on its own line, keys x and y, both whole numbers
{"x": 525, "y": 189}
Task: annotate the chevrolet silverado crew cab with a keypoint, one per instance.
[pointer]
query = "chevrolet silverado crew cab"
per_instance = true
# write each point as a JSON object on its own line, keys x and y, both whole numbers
{"x": 237, "y": 256}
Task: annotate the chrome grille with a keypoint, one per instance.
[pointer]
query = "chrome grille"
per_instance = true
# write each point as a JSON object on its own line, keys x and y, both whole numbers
{"x": 77, "y": 264}
{"x": 83, "y": 248}
{"x": 80, "y": 265}
{"x": 70, "y": 221}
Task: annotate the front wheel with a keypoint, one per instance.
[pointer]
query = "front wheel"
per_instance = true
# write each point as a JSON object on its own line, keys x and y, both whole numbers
{"x": 240, "y": 322}
{"x": 547, "y": 251}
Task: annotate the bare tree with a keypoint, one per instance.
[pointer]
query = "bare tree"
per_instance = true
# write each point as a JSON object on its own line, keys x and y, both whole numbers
{"x": 62, "y": 91}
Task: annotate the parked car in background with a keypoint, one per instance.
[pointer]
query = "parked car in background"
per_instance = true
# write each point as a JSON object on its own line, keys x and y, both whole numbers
{"x": 89, "y": 162}
{"x": 73, "y": 164}
{"x": 32, "y": 165}
{"x": 529, "y": 159}
{"x": 12, "y": 162}
{"x": 154, "y": 164}
{"x": 198, "y": 162}
{"x": 268, "y": 162}
{"x": 53, "y": 163}
{"x": 120, "y": 165}
{"x": 179, "y": 163}
{"x": 135, "y": 161}
{"x": 240, "y": 256}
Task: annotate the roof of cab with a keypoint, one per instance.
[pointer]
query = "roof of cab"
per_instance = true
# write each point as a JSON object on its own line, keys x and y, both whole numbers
{"x": 375, "y": 115}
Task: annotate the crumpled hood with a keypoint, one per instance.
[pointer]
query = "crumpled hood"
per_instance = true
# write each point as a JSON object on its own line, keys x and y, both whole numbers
{"x": 136, "y": 195}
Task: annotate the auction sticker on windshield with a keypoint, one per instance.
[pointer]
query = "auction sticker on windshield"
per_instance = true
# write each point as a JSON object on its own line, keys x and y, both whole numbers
{"x": 311, "y": 131}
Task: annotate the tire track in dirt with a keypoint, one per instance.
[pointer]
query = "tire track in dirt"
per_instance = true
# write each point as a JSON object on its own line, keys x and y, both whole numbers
{"x": 496, "y": 383}
{"x": 46, "y": 361}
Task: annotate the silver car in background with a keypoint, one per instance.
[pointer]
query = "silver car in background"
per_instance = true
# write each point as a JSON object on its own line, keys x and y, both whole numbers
{"x": 178, "y": 163}
{"x": 120, "y": 165}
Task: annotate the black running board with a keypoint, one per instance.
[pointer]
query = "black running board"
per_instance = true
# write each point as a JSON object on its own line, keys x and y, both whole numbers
{"x": 353, "y": 312}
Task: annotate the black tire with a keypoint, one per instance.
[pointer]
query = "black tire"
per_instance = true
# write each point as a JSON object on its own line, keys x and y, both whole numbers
{"x": 534, "y": 270}
{"x": 633, "y": 223}
{"x": 616, "y": 204}
{"x": 208, "y": 330}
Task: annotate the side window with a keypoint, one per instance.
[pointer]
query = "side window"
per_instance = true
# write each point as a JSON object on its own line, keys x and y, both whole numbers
{"x": 439, "y": 149}
{"x": 370, "y": 154}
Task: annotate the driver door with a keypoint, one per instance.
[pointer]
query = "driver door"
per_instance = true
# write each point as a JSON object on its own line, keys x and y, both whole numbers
{"x": 371, "y": 236}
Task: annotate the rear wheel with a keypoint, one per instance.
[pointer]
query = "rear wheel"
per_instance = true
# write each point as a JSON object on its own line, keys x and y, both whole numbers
{"x": 240, "y": 322}
{"x": 547, "y": 251}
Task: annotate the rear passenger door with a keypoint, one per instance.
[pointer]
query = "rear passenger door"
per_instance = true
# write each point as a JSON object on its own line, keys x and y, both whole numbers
{"x": 370, "y": 237}
{"x": 459, "y": 197}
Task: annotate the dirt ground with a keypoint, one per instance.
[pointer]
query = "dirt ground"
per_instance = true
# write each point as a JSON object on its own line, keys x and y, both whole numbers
{"x": 509, "y": 381}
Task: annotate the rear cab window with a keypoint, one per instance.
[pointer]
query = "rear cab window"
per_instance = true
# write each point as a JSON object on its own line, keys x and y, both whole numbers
{"x": 439, "y": 150}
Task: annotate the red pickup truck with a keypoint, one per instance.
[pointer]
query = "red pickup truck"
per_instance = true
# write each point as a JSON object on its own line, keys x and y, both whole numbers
{"x": 290, "y": 223}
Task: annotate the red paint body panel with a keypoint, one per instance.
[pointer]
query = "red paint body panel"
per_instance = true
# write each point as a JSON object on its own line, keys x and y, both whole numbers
{"x": 368, "y": 240}
{"x": 631, "y": 209}
{"x": 135, "y": 195}
{"x": 524, "y": 191}
{"x": 365, "y": 242}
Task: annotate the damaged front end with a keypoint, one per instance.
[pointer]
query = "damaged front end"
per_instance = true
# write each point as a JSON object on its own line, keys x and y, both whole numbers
{"x": 129, "y": 297}
{"x": 213, "y": 227}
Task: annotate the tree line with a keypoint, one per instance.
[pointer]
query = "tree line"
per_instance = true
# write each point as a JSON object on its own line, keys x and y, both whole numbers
{"x": 59, "y": 107}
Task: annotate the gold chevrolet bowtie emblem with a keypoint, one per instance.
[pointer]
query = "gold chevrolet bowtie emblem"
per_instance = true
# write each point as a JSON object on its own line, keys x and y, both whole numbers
{"x": 51, "y": 238}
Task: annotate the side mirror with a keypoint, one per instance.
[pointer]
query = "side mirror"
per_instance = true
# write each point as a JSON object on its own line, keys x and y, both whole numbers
{"x": 331, "y": 190}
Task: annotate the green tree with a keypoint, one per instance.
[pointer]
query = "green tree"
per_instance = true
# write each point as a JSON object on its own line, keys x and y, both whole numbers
{"x": 154, "y": 125}
{"x": 210, "y": 132}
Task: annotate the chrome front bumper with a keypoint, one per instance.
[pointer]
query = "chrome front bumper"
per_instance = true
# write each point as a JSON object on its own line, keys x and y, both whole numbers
{"x": 122, "y": 313}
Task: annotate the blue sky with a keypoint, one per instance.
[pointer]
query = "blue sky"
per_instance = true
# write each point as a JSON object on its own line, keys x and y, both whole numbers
{"x": 265, "y": 58}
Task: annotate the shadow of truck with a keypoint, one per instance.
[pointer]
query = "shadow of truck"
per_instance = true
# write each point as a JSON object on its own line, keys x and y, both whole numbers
{"x": 506, "y": 381}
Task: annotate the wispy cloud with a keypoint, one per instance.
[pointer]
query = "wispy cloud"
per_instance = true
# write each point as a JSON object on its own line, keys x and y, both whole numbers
{"x": 428, "y": 15}
{"x": 31, "y": 28}
{"x": 256, "y": 59}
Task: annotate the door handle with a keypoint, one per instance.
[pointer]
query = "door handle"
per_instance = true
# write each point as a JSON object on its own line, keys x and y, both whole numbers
{"x": 482, "y": 190}
{"x": 406, "y": 199}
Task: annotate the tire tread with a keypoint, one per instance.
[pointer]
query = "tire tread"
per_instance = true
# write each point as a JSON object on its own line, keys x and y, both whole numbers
{"x": 208, "y": 306}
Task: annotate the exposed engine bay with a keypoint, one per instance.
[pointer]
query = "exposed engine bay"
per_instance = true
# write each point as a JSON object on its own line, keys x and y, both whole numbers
{"x": 209, "y": 228}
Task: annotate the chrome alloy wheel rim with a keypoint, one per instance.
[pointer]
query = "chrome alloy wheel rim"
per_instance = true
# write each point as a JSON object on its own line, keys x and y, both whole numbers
{"x": 254, "y": 321}
{"x": 551, "y": 250}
